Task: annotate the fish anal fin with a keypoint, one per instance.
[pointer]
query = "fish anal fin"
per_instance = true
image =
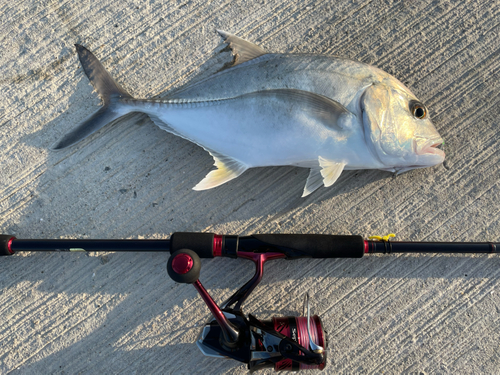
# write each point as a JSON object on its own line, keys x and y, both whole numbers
{"x": 164, "y": 126}
{"x": 330, "y": 170}
{"x": 227, "y": 169}
{"x": 243, "y": 50}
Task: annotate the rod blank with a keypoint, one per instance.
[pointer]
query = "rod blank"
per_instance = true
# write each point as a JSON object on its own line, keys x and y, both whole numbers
{"x": 387, "y": 247}
{"x": 90, "y": 245}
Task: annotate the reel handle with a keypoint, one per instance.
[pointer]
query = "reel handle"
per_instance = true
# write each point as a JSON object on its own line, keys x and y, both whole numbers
{"x": 184, "y": 266}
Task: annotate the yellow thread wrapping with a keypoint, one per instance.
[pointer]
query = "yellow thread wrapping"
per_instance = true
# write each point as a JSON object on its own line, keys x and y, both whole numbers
{"x": 383, "y": 238}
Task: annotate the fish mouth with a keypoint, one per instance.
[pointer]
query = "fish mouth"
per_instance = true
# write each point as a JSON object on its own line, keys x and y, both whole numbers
{"x": 432, "y": 148}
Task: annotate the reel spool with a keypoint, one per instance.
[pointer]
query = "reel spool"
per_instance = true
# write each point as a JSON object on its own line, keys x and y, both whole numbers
{"x": 296, "y": 329}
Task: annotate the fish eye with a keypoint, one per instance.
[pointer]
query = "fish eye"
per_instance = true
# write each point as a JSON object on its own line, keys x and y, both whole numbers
{"x": 417, "y": 109}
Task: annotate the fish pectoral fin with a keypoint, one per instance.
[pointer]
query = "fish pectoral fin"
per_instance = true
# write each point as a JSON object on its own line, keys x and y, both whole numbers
{"x": 330, "y": 170}
{"x": 329, "y": 112}
{"x": 227, "y": 169}
{"x": 243, "y": 50}
{"x": 314, "y": 181}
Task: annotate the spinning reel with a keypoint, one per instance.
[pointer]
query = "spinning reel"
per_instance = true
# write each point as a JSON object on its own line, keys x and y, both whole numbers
{"x": 287, "y": 343}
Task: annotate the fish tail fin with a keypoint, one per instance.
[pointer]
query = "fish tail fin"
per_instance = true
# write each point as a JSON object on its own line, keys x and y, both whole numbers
{"x": 111, "y": 93}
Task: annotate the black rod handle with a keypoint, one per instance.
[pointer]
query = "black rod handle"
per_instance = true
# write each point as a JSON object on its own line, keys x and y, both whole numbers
{"x": 293, "y": 246}
{"x": 305, "y": 245}
{"x": 201, "y": 243}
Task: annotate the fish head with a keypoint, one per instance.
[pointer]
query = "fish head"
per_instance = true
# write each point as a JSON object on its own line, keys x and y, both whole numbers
{"x": 398, "y": 129}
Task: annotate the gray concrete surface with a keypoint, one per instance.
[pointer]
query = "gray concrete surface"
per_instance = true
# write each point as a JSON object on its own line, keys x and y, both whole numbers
{"x": 120, "y": 313}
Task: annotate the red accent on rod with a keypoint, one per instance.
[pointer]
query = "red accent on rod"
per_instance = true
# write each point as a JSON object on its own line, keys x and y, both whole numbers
{"x": 367, "y": 250}
{"x": 9, "y": 245}
{"x": 217, "y": 245}
{"x": 259, "y": 260}
{"x": 182, "y": 264}
{"x": 260, "y": 257}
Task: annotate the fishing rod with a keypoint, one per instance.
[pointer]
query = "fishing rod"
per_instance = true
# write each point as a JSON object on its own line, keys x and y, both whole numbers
{"x": 283, "y": 343}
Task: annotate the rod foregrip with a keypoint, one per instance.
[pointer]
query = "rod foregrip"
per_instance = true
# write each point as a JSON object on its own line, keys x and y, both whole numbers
{"x": 293, "y": 246}
{"x": 307, "y": 245}
{"x": 5, "y": 244}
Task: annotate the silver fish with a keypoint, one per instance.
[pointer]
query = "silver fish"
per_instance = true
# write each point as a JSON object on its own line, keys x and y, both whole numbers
{"x": 319, "y": 112}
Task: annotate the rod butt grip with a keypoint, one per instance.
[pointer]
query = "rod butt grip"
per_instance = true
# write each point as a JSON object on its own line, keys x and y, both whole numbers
{"x": 5, "y": 244}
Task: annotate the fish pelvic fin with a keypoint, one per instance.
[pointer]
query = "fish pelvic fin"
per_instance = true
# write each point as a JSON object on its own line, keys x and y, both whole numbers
{"x": 109, "y": 91}
{"x": 243, "y": 50}
{"x": 330, "y": 170}
{"x": 326, "y": 173}
{"x": 227, "y": 169}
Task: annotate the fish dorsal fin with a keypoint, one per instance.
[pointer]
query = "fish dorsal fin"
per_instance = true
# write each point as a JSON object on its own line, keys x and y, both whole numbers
{"x": 227, "y": 169}
{"x": 243, "y": 50}
{"x": 314, "y": 181}
{"x": 330, "y": 170}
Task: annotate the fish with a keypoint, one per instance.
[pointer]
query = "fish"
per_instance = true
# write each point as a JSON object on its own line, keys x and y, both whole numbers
{"x": 321, "y": 112}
